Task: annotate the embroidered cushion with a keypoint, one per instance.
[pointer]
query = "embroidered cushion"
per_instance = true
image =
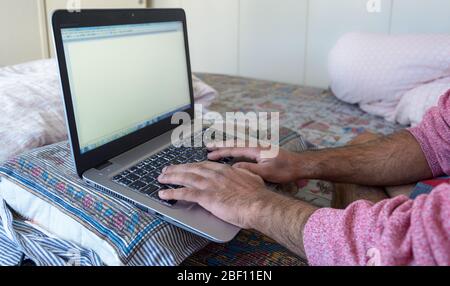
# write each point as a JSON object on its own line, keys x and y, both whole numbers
{"x": 42, "y": 186}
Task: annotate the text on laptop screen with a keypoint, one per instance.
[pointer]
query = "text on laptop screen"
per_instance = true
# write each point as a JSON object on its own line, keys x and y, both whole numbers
{"x": 124, "y": 77}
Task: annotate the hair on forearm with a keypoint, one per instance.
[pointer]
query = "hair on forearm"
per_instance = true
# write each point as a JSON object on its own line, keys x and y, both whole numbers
{"x": 390, "y": 160}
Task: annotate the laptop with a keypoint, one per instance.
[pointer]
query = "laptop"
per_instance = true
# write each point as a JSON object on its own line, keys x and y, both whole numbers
{"x": 124, "y": 73}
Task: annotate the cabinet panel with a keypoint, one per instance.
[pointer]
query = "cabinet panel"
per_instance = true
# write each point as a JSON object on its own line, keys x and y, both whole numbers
{"x": 52, "y": 5}
{"x": 420, "y": 16}
{"x": 213, "y": 35}
{"x": 272, "y": 39}
{"x": 23, "y": 32}
{"x": 165, "y": 3}
{"x": 87, "y": 4}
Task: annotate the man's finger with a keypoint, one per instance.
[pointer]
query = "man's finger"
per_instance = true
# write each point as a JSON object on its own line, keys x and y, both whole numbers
{"x": 216, "y": 145}
{"x": 252, "y": 167}
{"x": 182, "y": 194}
{"x": 186, "y": 179}
{"x": 203, "y": 168}
{"x": 249, "y": 153}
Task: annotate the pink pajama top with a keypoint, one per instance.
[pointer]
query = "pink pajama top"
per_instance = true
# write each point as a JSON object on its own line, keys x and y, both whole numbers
{"x": 397, "y": 231}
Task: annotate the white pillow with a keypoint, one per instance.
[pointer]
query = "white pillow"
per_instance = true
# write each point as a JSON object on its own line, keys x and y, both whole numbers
{"x": 376, "y": 71}
{"x": 51, "y": 218}
{"x": 414, "y": 103}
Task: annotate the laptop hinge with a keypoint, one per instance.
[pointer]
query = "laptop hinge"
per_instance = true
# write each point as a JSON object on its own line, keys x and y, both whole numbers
{"x": 103, "y": 165}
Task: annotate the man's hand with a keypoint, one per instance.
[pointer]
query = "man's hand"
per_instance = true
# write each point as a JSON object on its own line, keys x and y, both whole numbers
{"x": 391, "y": 160}
{"x": 231, "y": 194}
{"x": 239, "y": 197}
{"x": 281, "y": 169}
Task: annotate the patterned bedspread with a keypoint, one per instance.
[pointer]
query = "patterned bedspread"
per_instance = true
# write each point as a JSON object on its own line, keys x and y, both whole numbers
{"x": 322, "y": 118}
{"x": 316, "y": 114}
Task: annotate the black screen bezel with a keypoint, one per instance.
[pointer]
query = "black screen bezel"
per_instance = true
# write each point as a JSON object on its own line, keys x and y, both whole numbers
{"x": 108, "y": 17}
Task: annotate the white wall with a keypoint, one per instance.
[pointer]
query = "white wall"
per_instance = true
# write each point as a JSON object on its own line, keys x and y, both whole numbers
{"x": 52, "y": 5}
{"x": 280, "y": 40}
{"x": 22, "y": 31}
{"x": 420, "y": 16}
{"x": 214, "y": 35}
{"x": 25, "y": 28}
{"x": 213, "y": 28}
{"x": 271, "y": 48}
{"x": 289, "y": 40}
{"x": 330, "y": 19}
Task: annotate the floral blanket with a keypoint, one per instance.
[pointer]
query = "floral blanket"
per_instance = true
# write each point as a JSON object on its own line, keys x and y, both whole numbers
{"x": 314, "y": 113}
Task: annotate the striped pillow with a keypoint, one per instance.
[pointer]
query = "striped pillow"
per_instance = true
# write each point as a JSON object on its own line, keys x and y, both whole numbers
{"x": 42, "y": 185}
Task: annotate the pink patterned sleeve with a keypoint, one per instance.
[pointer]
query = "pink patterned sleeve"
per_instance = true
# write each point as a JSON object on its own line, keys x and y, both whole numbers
{"x": 396, "y": 231}
{"x": 433, "y": 135}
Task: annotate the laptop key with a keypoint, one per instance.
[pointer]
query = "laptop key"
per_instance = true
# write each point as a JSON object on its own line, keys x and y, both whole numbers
{"x": 183, "y": 158}
{"x": 148, "y": 179}
{"x": 165, "y": 159}
{"x": 125, "y": 181}
{"x": 150, "y": 159}
{"x": 198, "y": 158}
{"x": 153, "y": 174}
{"x": 177, "y": 162}
{"x": 132, "y": 177}
{"x": 149, "y": 168}
{"x": 133, "y": 169}
{"x": 124, "y": 173}
{"x": 171, "y": 156}
{"x": 141, "y": 172}
{"x": 117, "y": 177}
{"x": 158, "y": 162}
{"x": 137, "y": 185}
{"x": 149, "y": 189}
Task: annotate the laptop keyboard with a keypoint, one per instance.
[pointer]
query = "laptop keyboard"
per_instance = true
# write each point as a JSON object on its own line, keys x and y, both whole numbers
{"x": 142, "y": 177}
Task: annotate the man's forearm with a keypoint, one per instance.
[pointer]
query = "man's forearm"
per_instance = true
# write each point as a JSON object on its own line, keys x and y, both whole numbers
{"x": 282, "y": 219}
{"x": 391, "y": 160}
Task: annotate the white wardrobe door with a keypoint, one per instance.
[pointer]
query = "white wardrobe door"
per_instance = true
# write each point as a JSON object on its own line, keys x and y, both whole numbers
{"x": 86, "y": 4}
{"x": 272, "y": 39}
{"x": 22, "y": 30}
{"x": 213, "y": 35}
{"x": 52, "y": 5}
{"x": 421, "y": 16}
{"x": 328, "y": 20}
{"x": 165, "y": 3}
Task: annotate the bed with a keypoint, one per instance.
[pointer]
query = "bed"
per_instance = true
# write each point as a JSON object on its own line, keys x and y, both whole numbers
{"x": 314, "y": 113}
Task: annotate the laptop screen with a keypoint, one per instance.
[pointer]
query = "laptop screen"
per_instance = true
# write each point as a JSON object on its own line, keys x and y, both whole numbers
{"x": 124, "y": 78}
